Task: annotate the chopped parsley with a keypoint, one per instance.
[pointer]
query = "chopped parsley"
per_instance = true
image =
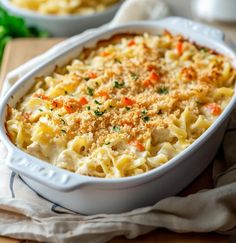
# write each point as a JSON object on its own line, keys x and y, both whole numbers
{"x": 146, "y": 118}
{"x": 204, "y": 49}
{"x": 51, "y": 109}
{"x": 59, "y": 115}
{"x": 86, "y": 79}
{"x": 119, "y": 85}
{"x": 97, "y": 102}
{"x": 99, "y": 113}
{"x": 66, "y": 92}
{"x": 116, "y": 128}
{"x": 134, "y": 76}
{"x": 40, "y": 110}
{"x": 107, "y": 143}
{"x": 63, "y": 121}
{"x": 88, "y": 108}
{"x": 111, "y": 106}
{"x": 144, "y": 112}
{"x": 64, "y": 131}
{"x": 90, "y": 91}
{"x": 163, "y": 90}
{"x": 127, "y": 108}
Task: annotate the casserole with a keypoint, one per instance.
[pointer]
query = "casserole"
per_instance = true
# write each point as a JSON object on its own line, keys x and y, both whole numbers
{"x": 93, "y": 195}
{"x": 62, "y": 25}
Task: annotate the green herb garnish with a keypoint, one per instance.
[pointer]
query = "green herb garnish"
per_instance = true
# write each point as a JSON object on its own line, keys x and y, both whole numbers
{"x": 204, "y": 49}
{"x": 86, "y": 79}
{"x": 97, "y": 102}
{"x": 64, "y": 131}
{"x": 90, "y": 91}
{"x": 40, "y": 110}
{"x": 88, "y": 108}
{"x": 163, "y": 90}
{"x": 116, "y": 128}
{"x": 146, "y": 118}
{"x": 119, "y": 85}
{"x": 107, "y": 143}
{"x": 144, "y": 112}
{"x": 66, "y": 92}
{"x": 63, "y": 121}
{"x": 134, "y": 76}
{"x": 99, "y": 113}
{"x": 127, "y": 108}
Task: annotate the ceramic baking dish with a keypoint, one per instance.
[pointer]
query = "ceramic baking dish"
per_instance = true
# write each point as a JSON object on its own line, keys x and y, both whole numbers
{"x": 62, "y": 25}
{"x": 90, "y": 195}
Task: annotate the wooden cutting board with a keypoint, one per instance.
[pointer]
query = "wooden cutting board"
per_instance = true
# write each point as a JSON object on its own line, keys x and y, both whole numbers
{"x": 19, "y": 51}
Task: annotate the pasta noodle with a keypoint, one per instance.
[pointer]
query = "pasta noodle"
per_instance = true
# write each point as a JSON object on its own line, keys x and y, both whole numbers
{"x": 124, "y": 107}
{"x": 62, "y": 7}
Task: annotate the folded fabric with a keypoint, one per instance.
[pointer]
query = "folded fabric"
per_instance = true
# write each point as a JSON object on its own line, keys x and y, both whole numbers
{"x": 26, "y": 215}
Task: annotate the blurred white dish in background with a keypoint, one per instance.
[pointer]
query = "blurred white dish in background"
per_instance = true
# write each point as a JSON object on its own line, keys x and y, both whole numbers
{"x": 154, "y": 10}
{"x": 220, "y": 10}
{"x": 62, "y": 25}
{"x": 64, "y": 7}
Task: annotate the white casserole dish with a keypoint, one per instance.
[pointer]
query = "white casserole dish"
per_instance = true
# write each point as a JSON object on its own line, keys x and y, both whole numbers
{"x": 90, "y": 195}
{"x": 62, "y": 25}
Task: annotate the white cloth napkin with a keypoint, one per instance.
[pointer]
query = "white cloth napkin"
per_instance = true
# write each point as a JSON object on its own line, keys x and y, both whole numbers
{"x": 26, "y": 215}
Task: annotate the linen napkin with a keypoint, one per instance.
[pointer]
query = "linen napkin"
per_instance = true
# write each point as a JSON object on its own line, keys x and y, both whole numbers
{"x": 26, "y": 215}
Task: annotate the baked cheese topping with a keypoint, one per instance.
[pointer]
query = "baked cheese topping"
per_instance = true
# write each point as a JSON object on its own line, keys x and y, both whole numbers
{"x": 124, "y": 107}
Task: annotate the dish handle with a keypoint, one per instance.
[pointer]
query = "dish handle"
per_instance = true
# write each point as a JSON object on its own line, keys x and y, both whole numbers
{"x": 44, "y": 173}
{"x": 192, "y": 27}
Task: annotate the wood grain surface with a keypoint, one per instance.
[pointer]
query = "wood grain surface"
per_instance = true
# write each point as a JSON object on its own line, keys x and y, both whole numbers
{"x": 21, "y": 50}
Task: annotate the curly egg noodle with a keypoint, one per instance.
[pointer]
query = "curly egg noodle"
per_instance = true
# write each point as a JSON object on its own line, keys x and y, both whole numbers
{"x": 62, "y": 7}
{"x": 124, "y": 107}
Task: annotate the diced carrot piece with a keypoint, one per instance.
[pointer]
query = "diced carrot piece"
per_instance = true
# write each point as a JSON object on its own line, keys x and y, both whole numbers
{"x": 151, "y": 67}
{"x": 131, "y": 43}
{"x": 214, "y": 109}
{"x": 69, "y": 108}
{"x": 56, "y": 104}
{"x": 127, "y": 101}
{"x": 137, "y": 144}
{"x": 147, "y": 83}
{"x": 128, "y": 123}
{"x": 179, "y": 48}
{"x": 92, "y": 75}
{"x": 104, "y": 54}
{"x": 154, "y": 76}
{"x": 83, "y": 101}
{"x": 41, "y": 96}
{"x": 103, "y": 94}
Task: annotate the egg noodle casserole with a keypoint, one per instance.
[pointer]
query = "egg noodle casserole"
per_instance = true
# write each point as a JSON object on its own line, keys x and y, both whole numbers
{"x": 124, "y": 107}
{"x": 62, "y": 7}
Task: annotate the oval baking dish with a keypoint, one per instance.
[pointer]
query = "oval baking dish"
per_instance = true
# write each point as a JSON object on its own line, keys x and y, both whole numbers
{"x": 90, "y": 195}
